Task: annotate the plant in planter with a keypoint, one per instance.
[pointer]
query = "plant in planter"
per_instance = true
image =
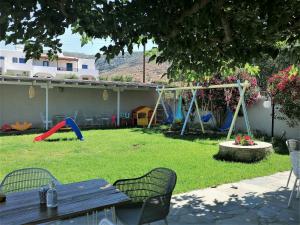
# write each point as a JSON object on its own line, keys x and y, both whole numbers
{"x": 244, "y": 140}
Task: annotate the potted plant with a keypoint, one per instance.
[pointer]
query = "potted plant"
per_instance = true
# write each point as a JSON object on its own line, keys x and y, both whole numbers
{"x": 244, "y": 140}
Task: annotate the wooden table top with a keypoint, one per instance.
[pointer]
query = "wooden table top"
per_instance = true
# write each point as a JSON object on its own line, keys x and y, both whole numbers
{"x": 74, "y": 199}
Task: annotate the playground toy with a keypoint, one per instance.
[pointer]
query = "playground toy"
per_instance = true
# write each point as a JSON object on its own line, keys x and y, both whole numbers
{"x": 179, "y": 116}
{"x": 228, "y": 120}
{"x": 170, "y": 117}
{"x": 141, "y": 115}
{"x": 21, "y": 126}
{"x": 230, "y": 116}
{"x": 67, "y": 122}
{"x": 5, "y": 127}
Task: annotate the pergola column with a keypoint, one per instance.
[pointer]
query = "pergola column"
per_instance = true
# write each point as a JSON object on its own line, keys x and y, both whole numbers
{"x": 47, "y": 106}
{"x": 118, "y": 107}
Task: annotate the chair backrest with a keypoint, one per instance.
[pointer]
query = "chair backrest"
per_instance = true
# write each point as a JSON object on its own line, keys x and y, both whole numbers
{"x": 106, "y": 222}
{"x": 164, "y": 180}
{"x": 293, "y": 145}
{"x": 295, "y": 159}
{"x": 26, "y": 179}
{"x": 161, "y": 183}
{"x": 42, "y": 116}
{"x": 104, "y": 115}
{"x": 75, "y": 115}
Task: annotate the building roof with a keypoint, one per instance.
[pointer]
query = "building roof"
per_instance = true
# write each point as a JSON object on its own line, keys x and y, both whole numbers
{"x": 17, "y": 80}
{"x": 140, "y": 108}
{"x": 61, "y": 57}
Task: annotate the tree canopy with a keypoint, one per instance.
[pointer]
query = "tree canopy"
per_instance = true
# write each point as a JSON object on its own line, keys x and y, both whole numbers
{"x": 198, "y": 35}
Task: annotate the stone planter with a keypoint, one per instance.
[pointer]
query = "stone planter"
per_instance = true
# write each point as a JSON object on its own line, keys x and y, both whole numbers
{"x": 229, "y": 151}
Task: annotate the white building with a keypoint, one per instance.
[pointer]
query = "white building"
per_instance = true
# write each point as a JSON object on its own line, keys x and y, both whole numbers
{"x": 12, "y": 62}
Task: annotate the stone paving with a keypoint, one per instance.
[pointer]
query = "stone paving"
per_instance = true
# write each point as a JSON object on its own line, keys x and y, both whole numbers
{"x": 258, "y": 201}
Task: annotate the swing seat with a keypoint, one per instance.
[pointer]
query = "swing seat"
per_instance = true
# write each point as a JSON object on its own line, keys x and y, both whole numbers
{"x": 179, "y": 116}
{"x": 228, "y": 121}
{"x": 170, "y": 118}
{"x": 207, "y": 117}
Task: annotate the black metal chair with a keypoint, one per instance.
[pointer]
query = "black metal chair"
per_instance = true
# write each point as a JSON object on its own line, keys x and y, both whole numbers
{"x": 150, "y": 197}
{"x": 293, "y": 145}
{"x": 26, "y": 179}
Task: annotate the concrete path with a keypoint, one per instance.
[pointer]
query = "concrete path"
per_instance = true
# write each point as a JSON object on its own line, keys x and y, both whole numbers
{"x": 258, "y": 201}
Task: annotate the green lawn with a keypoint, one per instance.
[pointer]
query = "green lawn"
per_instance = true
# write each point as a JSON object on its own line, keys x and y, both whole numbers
{"x": 114, "y": 154}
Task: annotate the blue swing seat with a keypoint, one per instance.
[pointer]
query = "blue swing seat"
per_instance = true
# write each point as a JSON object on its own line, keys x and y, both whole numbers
{"x": 170, "y": 118}
{"x": 205, "y": 118}
{"x": 228, "y": 120}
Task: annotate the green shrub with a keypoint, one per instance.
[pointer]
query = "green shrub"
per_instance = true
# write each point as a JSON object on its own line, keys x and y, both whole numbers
{"x": 71, "y": 76}
{"x": 125, "y": 78}
{"x": 103, "y": 77}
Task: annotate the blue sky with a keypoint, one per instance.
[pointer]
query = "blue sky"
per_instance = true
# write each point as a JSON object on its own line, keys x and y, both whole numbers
{"x": 71, "y": 43}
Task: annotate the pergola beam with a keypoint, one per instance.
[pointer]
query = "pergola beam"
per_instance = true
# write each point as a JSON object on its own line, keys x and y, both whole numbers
{"x": 208, "y": 87}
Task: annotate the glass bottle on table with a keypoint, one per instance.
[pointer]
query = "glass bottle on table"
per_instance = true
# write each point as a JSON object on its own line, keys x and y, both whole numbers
{"x": 52, "y": 195}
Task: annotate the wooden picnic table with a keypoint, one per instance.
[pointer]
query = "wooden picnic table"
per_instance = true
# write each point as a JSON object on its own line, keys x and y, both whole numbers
{"x": 74, "y": 199}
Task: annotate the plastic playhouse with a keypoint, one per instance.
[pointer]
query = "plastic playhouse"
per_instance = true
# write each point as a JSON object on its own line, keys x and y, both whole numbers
{"x": 141, "y": 115}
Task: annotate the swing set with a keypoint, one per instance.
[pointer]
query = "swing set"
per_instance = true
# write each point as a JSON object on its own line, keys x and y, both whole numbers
{"x": 230, "y": 116}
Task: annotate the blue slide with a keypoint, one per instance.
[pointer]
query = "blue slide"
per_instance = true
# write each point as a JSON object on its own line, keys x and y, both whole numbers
{"x": 228, "y": 121}
{"x": 71, "y": 123}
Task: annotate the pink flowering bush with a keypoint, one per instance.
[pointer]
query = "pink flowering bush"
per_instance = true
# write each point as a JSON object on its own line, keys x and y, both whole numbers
{"x": 284, "y": 88}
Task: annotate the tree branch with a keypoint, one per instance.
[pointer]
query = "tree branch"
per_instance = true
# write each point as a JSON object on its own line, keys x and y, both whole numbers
{"x": 194, "y": 9}
{"x": 227, "y": 30}
{"x": 224, "y": 22}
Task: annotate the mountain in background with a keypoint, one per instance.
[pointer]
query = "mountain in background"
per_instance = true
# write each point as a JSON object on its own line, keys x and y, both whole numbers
{"x": 127, "y": 66}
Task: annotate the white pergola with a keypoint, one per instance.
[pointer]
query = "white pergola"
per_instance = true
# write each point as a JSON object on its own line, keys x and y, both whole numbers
{"x": 48, "y": 83}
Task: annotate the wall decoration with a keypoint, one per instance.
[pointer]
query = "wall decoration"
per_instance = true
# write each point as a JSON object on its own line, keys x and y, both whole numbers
{"x": 31, "y": 92}
{"x": 105, "y": 95}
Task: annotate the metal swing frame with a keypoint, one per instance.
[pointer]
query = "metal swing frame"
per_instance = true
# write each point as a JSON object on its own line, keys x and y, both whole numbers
{"x": 194, "y": 89}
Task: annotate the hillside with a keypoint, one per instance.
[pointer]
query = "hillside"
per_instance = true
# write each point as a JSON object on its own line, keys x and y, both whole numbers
{"x": 127, "y": 65}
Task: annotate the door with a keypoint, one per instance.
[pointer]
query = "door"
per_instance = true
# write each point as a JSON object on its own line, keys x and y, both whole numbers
{"x": 69, "y": 67}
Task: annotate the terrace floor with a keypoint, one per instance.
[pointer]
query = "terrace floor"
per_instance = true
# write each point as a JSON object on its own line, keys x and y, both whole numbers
{"x": 259, "y": 201}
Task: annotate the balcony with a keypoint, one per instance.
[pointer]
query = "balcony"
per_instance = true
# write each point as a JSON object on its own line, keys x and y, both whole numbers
{"x": 67, "y": 69}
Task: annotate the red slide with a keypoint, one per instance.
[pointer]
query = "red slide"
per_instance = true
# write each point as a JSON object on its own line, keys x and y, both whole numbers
{"x": 51, "y": 131}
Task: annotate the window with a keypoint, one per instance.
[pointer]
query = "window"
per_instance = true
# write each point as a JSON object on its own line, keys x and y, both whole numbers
{"x": 2, "y": 58}
{"x": 45, "y": 63}
{"x": 15, "y": 60}
{"x": 22, "y": 60}
{"x": 84, "y": 66}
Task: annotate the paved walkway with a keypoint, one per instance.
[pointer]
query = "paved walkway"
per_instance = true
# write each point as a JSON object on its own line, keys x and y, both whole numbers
{"x": 258, "y": 201}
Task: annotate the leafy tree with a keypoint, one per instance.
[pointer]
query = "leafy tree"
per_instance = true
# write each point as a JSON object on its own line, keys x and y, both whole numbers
{"x": 197, "y": 35}
{"x": 287, "y": 55}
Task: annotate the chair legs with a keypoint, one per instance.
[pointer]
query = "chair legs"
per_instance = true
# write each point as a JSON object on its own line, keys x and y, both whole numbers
{"x": 291, "y": 196}
{"x": 287, "y": 184}
{"x": 298, "y": 192}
